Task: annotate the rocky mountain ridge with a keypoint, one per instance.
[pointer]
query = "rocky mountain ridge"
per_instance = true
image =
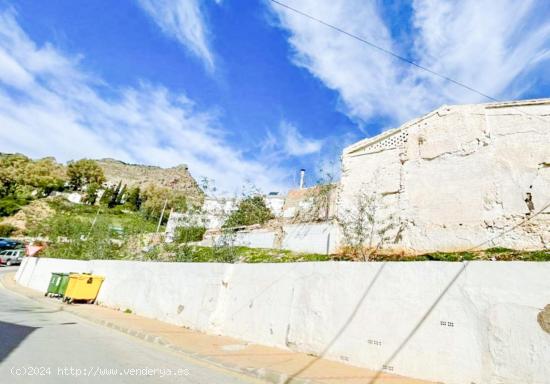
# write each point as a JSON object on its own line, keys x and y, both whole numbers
{"x": 177, "y": 178}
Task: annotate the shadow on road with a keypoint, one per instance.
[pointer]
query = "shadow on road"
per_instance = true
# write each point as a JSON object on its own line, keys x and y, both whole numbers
{"x": 11, "y": 335}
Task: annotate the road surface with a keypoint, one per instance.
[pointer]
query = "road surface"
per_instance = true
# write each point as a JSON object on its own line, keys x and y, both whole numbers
{"x": 39, "y": 344}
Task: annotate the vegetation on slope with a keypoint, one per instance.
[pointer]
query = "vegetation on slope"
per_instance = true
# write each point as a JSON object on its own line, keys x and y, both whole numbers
{"x": 120, "y": 221}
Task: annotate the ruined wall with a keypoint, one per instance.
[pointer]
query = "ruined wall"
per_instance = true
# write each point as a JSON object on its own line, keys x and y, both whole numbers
{"x": 459, "y": 177}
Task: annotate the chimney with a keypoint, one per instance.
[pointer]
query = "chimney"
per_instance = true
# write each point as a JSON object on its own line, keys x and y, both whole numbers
{"x": 302, "y": 174}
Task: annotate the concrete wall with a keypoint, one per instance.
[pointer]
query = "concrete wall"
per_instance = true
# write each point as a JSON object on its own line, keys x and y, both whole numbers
{"x": 450, "y": 322}
{"x": 459, "y": 177}
{"x": 315, "y": 238}
{"x": 35, "y": 272}
{"x": 320, "y": 238}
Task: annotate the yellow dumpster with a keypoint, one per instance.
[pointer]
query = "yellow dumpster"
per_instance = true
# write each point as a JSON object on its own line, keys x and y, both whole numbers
{"x": 83, "y": 287}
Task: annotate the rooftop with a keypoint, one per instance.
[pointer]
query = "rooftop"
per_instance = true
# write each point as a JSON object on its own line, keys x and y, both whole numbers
{"x": 444, "y": 109}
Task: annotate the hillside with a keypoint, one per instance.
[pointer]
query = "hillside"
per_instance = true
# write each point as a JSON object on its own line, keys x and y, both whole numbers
{"x": 177, "y": 178}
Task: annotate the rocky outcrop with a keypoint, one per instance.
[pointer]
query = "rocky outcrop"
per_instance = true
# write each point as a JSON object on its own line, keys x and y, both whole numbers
{"x": 178, "y": 178}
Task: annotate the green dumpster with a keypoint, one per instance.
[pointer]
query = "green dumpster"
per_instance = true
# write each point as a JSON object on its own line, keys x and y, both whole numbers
{"x": 63, "y": 284}
{"x": 55, "y": 280}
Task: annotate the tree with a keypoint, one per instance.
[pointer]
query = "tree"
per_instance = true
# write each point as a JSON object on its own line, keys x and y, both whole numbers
{"x": 114, "y": 197}
{"x": 106, "y": 196}
{"x": 133, "y": 201}
{"x": 91, "y": 194}
{"x": 154, "y": 197}
{"x": 14, "y": 190}
{"x": 84, "y": 172}
{"x": 251, "y": 210}
{"x": 364, "y": 228}
{"x": 45, "y": 175}
{"x": 11, "y": 204}
{"x": 11, "y": 172}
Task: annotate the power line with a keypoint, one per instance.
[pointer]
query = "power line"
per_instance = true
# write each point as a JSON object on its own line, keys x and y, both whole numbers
{"x": 395, "y": 55}
{"x": 399, "y": 57}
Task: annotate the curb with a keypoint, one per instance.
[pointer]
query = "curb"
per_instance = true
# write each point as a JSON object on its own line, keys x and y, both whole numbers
{"x": 258, "y": 373}
{"x": 267, "y": 375}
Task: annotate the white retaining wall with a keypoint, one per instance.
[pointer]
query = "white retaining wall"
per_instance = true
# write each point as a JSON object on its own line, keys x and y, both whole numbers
{"x": 320, "y": 238}
{"x": 462, "y": 323}
{"x": 256, "y": 239}
{"x": 316, "y": 238}
{"x": 36, "y": 272}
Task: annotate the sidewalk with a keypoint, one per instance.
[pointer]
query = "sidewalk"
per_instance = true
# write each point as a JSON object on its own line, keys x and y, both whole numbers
{"x": 266, "y": 363}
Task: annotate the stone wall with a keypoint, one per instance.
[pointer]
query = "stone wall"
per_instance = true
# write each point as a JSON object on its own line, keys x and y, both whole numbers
{"x": 457, "y": 323}
{"x": 458, "y": 177}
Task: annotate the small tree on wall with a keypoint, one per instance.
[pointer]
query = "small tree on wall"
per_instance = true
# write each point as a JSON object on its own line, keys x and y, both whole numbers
{"x": 363, "y": 229}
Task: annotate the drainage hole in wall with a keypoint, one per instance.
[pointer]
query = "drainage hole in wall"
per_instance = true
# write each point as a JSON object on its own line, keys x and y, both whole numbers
{"x": 447, "y": 323}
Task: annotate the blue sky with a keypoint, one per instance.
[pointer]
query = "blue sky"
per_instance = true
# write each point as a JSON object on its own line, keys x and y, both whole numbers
{"x": 246, "y": 92}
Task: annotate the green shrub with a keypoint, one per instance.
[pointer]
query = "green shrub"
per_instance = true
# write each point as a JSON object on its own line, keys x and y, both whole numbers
{"x": 539, "y": 255}
{"x": 184, "y": 253}
{"x": 448, "y": 256}
{"x": 251, "y": 210}
{"x": 6, "y": 230}
{"x": 10, "y": 205}
{"x": 188, "y": 234}
{"x": 498, "y": 250}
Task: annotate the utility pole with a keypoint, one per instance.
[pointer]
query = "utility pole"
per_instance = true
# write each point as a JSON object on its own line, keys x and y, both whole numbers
{"x": 162, "y": 214}
{"x": 93, "y": 223}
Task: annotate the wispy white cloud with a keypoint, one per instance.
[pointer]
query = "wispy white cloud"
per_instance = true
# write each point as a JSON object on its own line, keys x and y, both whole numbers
{"x": 296, "y": 144}
{"x": 287, "y": 141}
{"x": 50, "y": 106}
{"x": 320, "y": 157}
{"x": 184, "y": 21}
{"x": 485, "y": 44}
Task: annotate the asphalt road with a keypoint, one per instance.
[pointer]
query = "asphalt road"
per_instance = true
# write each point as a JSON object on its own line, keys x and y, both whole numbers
{"x": 43, "y": 345}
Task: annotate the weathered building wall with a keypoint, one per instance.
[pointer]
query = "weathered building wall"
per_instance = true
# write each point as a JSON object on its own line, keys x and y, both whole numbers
{"x": 458, "y": 177}
{"x": 457, "y": 323}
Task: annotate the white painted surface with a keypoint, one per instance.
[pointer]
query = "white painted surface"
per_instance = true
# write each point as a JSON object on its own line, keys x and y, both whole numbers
{"x": 275, "y": 203}
{"x": 367, "y": 314}
{"x": 320, "y": 238}
{"x": 458, "y": 177}
{"x": 73, "y": 197}
{"x": 256, "y": 239}
{"x": 35, "y": 272}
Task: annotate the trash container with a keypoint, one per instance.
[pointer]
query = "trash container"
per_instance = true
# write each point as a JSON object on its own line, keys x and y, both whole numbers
{"x": 62, "y": 287}
{"x": 53, "y": 286}
{"x": 83, "y": 287}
